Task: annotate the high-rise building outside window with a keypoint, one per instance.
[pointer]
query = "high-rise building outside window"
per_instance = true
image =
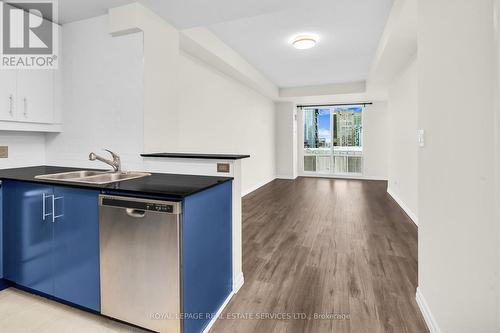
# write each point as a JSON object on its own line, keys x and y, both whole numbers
{"x": 333, "y": 140}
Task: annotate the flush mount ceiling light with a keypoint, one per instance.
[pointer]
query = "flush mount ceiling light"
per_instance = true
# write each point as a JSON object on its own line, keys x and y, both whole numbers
{"x": 304, "y": 41}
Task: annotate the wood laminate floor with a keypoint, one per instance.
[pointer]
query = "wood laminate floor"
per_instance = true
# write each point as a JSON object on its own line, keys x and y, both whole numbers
{"x": 341, "y": 251}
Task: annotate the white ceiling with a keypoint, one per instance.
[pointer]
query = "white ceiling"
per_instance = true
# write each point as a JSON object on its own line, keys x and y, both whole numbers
{"x": 349, "y": 33}
{"x": 259, "y": 30}
{"x": 180, "y": 13}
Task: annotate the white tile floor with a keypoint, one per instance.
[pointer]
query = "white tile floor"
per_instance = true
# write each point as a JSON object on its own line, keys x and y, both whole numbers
{"x": 21, "y": 312}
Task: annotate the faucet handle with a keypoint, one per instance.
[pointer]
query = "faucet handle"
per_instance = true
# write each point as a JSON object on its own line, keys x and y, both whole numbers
{"x": 115, "y": 163}
{"x": 115, "y": 156}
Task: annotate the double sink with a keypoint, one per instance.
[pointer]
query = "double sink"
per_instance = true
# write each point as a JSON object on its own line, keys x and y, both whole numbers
{"x": 93, "y": 177}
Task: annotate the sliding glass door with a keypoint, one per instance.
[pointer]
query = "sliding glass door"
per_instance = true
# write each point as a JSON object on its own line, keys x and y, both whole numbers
{"x": 333, "y": 140}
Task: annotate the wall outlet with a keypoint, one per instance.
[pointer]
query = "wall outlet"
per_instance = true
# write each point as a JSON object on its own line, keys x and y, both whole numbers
{"x": 223, "y": 167}
{"x": 4, "y": 152}
{"x": 421, "y": 138}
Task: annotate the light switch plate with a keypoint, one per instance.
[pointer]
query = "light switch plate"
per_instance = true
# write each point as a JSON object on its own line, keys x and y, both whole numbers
{"x": 223, "y": 167}
{"x": 421, "y": 138}
{"x": 4, "y": 151}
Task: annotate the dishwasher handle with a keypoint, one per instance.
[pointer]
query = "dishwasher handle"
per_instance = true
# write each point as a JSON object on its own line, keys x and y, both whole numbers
{"x": 135, "y": 213}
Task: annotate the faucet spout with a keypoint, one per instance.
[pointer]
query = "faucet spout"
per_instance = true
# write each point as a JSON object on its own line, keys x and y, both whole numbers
{"x": 115, "y": 163}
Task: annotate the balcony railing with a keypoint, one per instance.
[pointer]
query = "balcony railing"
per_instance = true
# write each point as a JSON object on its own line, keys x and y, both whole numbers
{"x": 339, "y": 160}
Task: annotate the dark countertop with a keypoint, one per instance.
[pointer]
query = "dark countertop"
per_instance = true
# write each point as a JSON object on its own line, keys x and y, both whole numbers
{"x": 198, "y": 156}
{"x": 158, "y": 184}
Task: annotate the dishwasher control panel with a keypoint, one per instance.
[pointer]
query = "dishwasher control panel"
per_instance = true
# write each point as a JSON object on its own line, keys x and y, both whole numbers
{"x": 141, "y": 204}
{"x": 160, "y": 207}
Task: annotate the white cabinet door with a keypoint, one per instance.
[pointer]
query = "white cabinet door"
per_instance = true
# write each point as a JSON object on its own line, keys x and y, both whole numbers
{"x": 35, "y": 95}
{"x": 8, "y": 83}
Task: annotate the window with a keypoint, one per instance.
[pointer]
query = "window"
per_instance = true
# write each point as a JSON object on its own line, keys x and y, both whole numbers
{"x": 333, "y": 140}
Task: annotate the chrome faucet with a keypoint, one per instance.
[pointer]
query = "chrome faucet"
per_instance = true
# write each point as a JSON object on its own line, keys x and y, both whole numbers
{"x": 115, "y": 163}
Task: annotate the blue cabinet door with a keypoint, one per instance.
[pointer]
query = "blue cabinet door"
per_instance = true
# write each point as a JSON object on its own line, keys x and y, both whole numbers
{"x": 76, "y": 247}
{"x": 27, "y": 235}
{"x": 3, "y": 284}
{"x": 1, "y": 236}
{"x": 206, "y": 254}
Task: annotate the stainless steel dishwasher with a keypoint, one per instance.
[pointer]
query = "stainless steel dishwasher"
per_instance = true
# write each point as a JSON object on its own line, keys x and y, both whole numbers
{"x": 140, "y": 262}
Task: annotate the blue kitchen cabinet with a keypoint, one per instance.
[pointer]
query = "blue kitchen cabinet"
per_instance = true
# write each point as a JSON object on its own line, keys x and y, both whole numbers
{"x": 2, "y": 282}
{"x": 51, "y": 246}
{"x": 27, "y": 235}
{"x": 51, "y": 241}
{"x": 76, "y": 247}
{"x": 206, "y": 255}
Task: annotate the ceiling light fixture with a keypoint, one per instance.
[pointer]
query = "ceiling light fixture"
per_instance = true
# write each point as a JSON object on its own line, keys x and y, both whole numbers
{"x": 304, "y": 41}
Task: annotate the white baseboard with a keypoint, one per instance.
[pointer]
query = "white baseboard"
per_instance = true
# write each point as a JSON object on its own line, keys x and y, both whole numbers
{"x": 353, "y": 177}
{"x": 256, "y": 187}
{"x": 426, "y": 312}
{"x": 380, "y": 178}
{"x": 287, "y": 177}
{"x": 401, "y": 204}
{"x": 238, "y": 282}
{"x": 217, "y": 315}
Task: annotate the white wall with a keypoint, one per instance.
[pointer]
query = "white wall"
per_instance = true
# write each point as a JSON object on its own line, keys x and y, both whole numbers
{"x": 102, "y": 96}
{"x": 103, "y": 106}
{"x": 497, "y": 134}
{"x": 286, "y": 140}
{"x": 458, "y": 232}
{"x": 219, "y": 115}
{"x": 25, "y": 149}
{"x": 375, "y": 138}
{"x": 402, "y": 143}
{"x": 160, "y": 71}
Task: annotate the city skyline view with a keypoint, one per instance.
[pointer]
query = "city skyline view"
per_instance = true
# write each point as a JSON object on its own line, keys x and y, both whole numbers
{"x": 339, "y": 128}
{"x": 346, "y": 131}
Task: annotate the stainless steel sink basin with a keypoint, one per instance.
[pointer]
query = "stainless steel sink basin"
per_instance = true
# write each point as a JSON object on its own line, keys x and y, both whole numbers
{"x": 113, "y": 177}
{"x": 93, "y": 177}
{"x": 71, "y": 175}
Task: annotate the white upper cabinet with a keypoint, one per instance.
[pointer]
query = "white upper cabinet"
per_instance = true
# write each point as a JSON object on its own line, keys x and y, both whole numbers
{"x": 8, "y": 94}
{"x": 30, "y": 99}
{"x": 35, "y": 96}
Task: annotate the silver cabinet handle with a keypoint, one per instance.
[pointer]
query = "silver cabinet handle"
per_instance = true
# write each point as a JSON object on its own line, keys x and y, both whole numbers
{"x": 54, "y": 216}
{"x": 44, "y": 206}
{"x": 25, "y": 100}
{"x": 11, "y": 105}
